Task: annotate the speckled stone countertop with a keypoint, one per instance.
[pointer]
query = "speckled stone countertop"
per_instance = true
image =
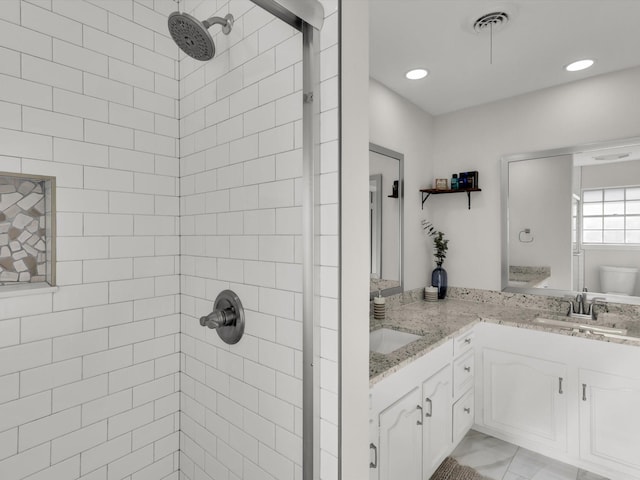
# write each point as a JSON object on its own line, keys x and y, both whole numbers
{"x": 440, "y": 321}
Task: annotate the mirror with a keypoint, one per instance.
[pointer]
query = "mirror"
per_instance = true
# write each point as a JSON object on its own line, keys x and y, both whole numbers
{"x": 385, "y": 220}
{"x": 571, "y": 220}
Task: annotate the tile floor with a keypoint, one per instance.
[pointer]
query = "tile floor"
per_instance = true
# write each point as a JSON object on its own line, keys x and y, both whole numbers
{"x": 500, "y": 460}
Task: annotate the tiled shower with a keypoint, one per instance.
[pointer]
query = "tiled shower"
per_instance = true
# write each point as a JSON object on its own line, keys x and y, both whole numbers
{"x": 175, "y": 179}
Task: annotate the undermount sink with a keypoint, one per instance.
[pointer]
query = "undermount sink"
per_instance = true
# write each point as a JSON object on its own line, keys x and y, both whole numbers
{"x": 581, "y": 326}
{"x": 385, "y": 340}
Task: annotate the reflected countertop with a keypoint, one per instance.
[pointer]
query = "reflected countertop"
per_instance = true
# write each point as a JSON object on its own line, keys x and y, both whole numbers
{"x": 440, "y": 321}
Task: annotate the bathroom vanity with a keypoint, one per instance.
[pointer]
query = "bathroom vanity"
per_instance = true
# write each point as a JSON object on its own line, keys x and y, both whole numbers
{"x": 568, "y": 395}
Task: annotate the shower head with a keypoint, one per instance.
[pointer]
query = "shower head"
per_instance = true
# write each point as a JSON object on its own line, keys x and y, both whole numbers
{"x": 192, "y": 35}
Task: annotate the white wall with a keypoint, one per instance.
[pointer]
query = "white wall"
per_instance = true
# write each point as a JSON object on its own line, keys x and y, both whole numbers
{"x": 89, "y": 374}
{"x": 540, "y": 199}
{"x": 354, "y": 273}
{"x": 399, "y": 125}
{"x": 241, "y": 197}
{"x": 615, "y": 174}
{"x": 591, "y": 110}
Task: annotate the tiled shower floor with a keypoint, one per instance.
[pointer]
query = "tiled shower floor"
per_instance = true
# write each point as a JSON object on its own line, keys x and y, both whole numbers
{"x": 500, "y": 460}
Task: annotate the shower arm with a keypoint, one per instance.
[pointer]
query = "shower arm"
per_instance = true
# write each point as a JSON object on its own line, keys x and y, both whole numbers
{"x": 226, "y": 22}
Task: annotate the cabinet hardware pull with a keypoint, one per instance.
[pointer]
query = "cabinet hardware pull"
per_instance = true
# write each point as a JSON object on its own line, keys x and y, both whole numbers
{"x": 584, "y": 392}
{"x": 467, "y": 369}
{"x": 467, "y": 410}
{"x": 430, "y": 413}
{"x": 374, "y": 464}
{"x": 419, "y": 407}
{"x": 560, "y": 386}
{"x": 467, "y": 340}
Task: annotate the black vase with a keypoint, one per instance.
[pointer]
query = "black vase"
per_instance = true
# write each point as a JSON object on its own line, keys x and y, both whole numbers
{"x": 439, "y": 279}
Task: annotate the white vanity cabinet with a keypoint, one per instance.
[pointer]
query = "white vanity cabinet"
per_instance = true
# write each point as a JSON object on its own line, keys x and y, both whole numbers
{"x": 420, "y": 413}
{"x": 437, "y": 419}
{"x": 573, "y": 399}
{"x": 410, "y": 418}
{"x": 525, "y": 396}
{"x": 610, "y": 421}
{"x": 400, "y": 438}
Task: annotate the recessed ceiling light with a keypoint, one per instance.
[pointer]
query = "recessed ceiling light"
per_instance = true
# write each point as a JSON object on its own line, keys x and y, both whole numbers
{"x": 579, "y": 65}
{"x": 416, "y": 74}
{"x": 613, "y": 156}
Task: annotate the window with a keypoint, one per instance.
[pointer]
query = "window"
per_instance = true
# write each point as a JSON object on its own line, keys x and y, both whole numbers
{"x": 611, "y": 216}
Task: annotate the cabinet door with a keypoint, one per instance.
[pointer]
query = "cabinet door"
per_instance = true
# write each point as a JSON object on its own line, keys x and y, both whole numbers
{"x": 400, "y": 453}
{"x": 436, "y": 431}
{"x": 524, "y": 398}
{"x": 610, "y": 421}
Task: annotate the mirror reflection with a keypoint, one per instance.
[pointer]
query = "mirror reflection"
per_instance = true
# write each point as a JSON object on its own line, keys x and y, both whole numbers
{"x": 573, "y": 219}
{"x": 385, "y": 220}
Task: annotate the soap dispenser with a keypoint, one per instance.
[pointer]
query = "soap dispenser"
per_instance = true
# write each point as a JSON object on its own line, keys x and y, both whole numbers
{"x": 379, "y": 306}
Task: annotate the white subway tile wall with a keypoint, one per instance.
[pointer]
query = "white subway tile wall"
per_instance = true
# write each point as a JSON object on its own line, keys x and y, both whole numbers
{"x": 112, "y": 377}
{"x": 241, "y": 170}
{"x": 89, "y": 375}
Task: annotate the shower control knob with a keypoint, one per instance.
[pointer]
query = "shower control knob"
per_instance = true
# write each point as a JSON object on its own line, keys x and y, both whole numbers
{"x": 227, "y": 317}
{"x": 219, "y": 318}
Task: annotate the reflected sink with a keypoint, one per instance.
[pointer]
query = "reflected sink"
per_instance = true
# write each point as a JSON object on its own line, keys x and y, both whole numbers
{"x": 385, "y": 340}
{"x": 580, "y": 326}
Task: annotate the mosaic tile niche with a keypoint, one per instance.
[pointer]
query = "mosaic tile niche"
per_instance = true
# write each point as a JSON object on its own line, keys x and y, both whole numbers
{"x": 27, "y": 221}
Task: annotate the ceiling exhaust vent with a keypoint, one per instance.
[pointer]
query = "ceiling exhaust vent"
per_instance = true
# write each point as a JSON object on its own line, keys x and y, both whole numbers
{"x": 494, "y": 21}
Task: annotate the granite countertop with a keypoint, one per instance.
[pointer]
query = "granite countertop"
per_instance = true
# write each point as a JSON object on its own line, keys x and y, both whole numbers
{"x": 440, "y": 321}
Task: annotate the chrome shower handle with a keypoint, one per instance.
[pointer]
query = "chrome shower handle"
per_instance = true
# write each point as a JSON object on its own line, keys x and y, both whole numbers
{"x": 227, "y": 317}
{"x": 219, "y": 318}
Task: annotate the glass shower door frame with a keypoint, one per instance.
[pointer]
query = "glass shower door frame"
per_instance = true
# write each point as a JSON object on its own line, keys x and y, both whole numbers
{"x": 307, "y": 16}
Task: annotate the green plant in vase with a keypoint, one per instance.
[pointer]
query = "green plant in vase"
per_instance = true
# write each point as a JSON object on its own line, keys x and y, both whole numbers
{"x": 440, "y": 247}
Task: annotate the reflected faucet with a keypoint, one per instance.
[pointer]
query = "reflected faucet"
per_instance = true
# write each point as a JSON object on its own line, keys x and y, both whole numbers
{"x": 580, "y": 306}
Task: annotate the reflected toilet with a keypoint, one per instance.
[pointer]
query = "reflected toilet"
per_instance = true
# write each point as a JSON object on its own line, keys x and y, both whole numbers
{"x": 618, "y": 280}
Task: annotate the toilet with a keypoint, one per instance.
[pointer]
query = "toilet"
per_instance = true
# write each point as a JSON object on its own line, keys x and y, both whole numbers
{"x": 618, "y": 280}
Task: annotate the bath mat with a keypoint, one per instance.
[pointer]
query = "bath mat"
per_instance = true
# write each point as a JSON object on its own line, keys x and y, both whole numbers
{"x": 450, "y": 469}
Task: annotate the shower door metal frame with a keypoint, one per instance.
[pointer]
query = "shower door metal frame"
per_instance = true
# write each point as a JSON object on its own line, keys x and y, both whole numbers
{"x": 307, "y": 16}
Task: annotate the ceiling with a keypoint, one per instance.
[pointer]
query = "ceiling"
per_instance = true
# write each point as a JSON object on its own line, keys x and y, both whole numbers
{"x": 529, "y": 53}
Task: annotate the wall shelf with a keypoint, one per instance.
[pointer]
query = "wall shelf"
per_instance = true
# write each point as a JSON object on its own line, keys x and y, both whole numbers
{"x": 427, "y": 192}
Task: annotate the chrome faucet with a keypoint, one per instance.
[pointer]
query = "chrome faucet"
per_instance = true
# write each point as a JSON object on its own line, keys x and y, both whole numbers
{"x": 581, "y": 308}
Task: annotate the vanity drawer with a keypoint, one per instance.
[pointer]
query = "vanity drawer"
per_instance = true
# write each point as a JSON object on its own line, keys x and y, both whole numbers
{"x": 463, "y": 371}
{"x": 463, "y": 343}
{"x": 462, "y": 416}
